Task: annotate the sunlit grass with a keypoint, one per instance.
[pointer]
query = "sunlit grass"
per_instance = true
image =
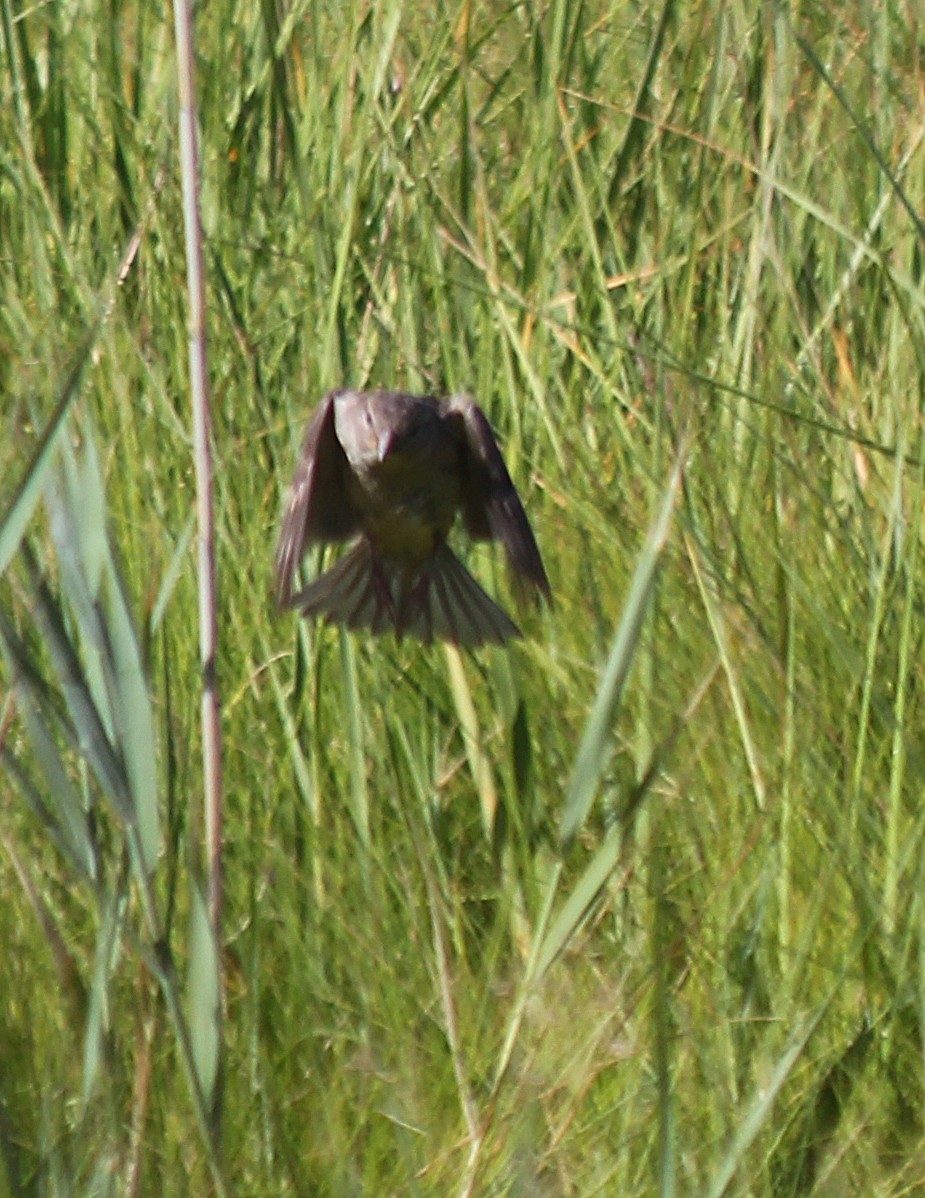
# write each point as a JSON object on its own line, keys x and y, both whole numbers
{"x": 635, "y": 243}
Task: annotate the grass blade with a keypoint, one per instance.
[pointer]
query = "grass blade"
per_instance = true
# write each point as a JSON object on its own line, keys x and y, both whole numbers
{"x": 204, "y": 998}
{"x": 27, "y": 494}
{"x": 762, "y": 1105}
{"x": 595, "y": 742}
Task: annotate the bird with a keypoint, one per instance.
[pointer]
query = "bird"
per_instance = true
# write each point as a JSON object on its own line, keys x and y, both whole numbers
{"x": 391, "y": 472}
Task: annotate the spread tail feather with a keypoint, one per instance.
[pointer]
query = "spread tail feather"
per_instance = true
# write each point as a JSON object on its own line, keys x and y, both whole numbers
{"x": 439, "y": 600}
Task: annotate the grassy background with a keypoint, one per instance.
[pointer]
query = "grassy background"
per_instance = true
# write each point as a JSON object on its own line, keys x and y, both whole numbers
{"x": 619, "y": 228}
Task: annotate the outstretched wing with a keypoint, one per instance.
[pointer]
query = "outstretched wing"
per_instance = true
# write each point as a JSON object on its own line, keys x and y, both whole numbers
{"x": 491, "y": 507}
{"x": 318, "y": 507}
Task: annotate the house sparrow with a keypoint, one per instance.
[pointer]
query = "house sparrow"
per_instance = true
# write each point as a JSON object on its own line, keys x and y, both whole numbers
{"x": 392, "y": 471}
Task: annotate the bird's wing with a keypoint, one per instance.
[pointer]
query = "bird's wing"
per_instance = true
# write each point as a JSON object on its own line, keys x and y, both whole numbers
{"x": 491, "y": 507}
{"x": 319, "y": 507}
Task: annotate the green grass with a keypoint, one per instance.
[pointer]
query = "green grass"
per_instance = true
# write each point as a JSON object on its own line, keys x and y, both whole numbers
{"x": 638, "y": 237}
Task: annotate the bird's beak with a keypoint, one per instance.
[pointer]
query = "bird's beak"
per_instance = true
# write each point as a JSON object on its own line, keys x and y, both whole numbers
{"x": 384, "y": 443}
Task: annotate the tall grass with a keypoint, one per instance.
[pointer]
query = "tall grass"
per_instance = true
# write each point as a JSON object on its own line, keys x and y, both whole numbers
{"x": 634, "y": 907}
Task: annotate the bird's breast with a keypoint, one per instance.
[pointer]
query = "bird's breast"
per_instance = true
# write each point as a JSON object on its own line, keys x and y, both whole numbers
{"x": 408, "y": 503}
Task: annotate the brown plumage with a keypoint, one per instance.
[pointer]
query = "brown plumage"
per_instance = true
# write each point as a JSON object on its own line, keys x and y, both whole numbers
{"x": 392, "y": 471}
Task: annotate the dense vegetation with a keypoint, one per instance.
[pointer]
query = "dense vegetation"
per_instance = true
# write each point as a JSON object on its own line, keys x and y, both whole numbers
{"x": 644, "y": 239}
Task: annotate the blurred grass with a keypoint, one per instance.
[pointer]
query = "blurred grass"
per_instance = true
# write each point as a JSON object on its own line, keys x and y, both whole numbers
{"x": 615, "y": 226}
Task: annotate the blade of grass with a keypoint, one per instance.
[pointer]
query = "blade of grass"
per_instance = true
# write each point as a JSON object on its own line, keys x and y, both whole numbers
{"x": 84, "y": 714}
{"x": 110, "y": 648}
{"x": 27, "y": 494}
{"x": 204, "y": 997}
{"x": 596, "y": 739}
{"x": 63, "y": 814}
{"x": 359, "y": 791}
{"x": 762, "y": 1104}
{"x": 479, "y": 764}
{"x": 860, "y": 128}
{"x": 730, "y": 669}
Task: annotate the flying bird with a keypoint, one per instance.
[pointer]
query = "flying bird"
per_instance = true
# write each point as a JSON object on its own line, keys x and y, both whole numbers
{"x": 391, "y": 472}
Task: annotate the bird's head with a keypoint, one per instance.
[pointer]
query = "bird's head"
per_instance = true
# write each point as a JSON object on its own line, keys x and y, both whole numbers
{"x": 371, "y": 426}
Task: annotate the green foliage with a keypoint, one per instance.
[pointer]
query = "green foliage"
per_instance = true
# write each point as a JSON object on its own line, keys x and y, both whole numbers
{"x": 639, "y": 237}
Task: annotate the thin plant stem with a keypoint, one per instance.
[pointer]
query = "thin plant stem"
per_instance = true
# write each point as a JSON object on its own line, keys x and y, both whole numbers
{"x": 208, "y": 620}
